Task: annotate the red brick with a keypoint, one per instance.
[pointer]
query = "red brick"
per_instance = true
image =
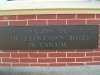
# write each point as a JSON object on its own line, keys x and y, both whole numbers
{"x": 56, "y": 54}
{"x": 23, "y": 17}
{"x": 97, "y": 15}
{"x": 3, "y": 23}
{"x": 11, "y": 60}
{"x": 75, "y": 64}
{"x": 93, "y": 21}
{"x": 47, "y": 60}
{"x": 20, "y": 64}
{"x": 27, "y": 51}
{"x": 8, "y": 51}
{"x": 98, "y": 43}
{"x": 96, "y": 58}
{"x": 65, "y": 50}
{"x": 4, "y": 54}
{"x": 93, "y": 63}
{"x": 56, "y": 22}
{"x": 19, "y": 55}
{"x": 46, "y": 16}
{"x": 38, "y": 55}
{"x": 36, "y": 22}
{"x": 98, "y": 49}
{"x": 76, "y": 55}
{"x": 65, "y": 59}
{"x": 28, "y": 60}
{"x": 37, "y": 64}
{"x": 85, "y": 16}
{"x": 83, "y": 59}
{"x": 99, "y": 37}
{"x": 93, "y": 54}
{"x": 11, "y": 17}
{"x": 46, "y": 50}
{"x": 57, "y": 64}
{"x": 86, "y": 50}
{"x": 76, "y": 22}
{"x": 2, "y": 17}
{"x": 5, "y": 64}
{"x": 66, "y": 16}
{"x": 0, "y": 51}
{"x": 17, "y": 23}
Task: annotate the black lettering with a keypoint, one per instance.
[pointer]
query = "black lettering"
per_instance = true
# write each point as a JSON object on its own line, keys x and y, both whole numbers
{"x": 53, "y": 44}
{"x": 13, "y": 38}
{"x": 79, "y": 37}
{"x": 34, "y": 31}
{"x": 46, "y": 31}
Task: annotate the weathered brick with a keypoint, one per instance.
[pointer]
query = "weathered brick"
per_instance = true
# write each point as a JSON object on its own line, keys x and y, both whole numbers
{"x": 66, "y": 16}
{"x": 75, "y": 64}
{"x": 5, "y": 64}
{"x": 56, "y": 22}
{"x": 5, "y": 55}
{"x": 36, "y": 22}
{"x": 11, "y": 60}
{"x": 57, "y": 64}
{"x": 38, "y": 55}
{"x": 96, "y": 58}
{"x": 97, "y": 16}
{"x": 93, "y": 54}
{"x": 93, "y": 63}
{"x": 3, "y": 23}
{"x": 47, "y": 60}
{"x": 19, "y": 55}
{"x": 17, "y": 23}
{"x": 56, "y": 54}
{"x": 6, "y": 17}
{"x": 79, "y": 22}
{"x": 84, "y": 59}
{"x": 28, "y": 60}
{"x": 86, "y": 16}
{"x": 65, "y": 59}
{"x": 8, "y": 51}
{"x": 46, "y": 16}
{"x": 66, "y": 50}
{"x": 75, "y": 54}
{"x": 37, "y": 64}
{"x": 20, "y": 64}
{"x": 24, "y": 17}
{"x": 93, "y": 21}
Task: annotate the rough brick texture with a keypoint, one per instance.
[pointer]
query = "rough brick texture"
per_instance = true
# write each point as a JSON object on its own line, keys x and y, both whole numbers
{"x": 49, "y": 57}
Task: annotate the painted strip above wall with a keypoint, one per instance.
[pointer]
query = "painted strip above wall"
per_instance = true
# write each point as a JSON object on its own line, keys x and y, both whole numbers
{"x": 49, "y": 11}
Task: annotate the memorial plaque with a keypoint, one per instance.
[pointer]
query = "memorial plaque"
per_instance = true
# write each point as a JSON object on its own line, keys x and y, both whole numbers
{"x": 49, "y": 37}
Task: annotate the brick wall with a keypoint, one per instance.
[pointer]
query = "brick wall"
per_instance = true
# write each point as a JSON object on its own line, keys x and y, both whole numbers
{"x": 48, "y": 57}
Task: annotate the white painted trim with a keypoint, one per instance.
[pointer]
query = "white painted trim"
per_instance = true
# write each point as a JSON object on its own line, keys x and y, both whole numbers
{"x": 15, "y": 5}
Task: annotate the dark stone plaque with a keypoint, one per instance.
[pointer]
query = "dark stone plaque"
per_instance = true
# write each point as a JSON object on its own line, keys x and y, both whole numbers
{"x": 49, "y": 37}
